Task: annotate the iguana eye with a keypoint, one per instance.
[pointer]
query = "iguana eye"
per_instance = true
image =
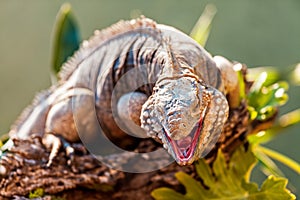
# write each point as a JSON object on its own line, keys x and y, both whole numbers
{"x": 161, "y": 86}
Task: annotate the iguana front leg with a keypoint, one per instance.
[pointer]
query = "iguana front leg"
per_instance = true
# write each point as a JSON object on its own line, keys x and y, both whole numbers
{"x": 129, "y": 110}
{"x": 69, "y": 113}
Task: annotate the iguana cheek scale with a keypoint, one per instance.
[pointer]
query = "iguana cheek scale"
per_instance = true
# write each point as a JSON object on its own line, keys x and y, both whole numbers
{"x": 182, "y": 104}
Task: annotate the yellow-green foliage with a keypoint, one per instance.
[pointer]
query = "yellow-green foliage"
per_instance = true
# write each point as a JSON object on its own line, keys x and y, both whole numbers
{"x": 226, "y": 181}
{"x": 39, "y": 192}
{"x": 66, "y": 37}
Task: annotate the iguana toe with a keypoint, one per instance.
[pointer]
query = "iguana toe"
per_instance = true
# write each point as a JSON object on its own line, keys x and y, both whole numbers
{"x": 55, "y": 143}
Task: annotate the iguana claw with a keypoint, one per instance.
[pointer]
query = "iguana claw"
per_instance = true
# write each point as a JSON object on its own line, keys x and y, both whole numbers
{"x": 55, "y": 143}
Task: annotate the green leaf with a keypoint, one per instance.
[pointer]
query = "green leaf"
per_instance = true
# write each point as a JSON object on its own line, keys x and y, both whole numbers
{"x": 290, "y": 73}
{"x": 39, "y": 192}
{"x": 3, "y": 139}
{"x": 268, "y": 166}
{"x": 264, "y": 99}
{"x": 238, "y": 69}
{"x": 272, "y": 72}
{"x": 289, "y": 119}
{"x": 66, "y": 38}
{"x": 226, "y": 181}
{"x": 285, "y": 121}
{"x": 167, "y": 194}
{"x": 201, "y": 30}
{"x": 279, "y": 157}
{"x": 273, "y": 188}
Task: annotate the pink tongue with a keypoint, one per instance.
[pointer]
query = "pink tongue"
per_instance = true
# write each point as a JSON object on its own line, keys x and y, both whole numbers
{"x": 184, "y": 143}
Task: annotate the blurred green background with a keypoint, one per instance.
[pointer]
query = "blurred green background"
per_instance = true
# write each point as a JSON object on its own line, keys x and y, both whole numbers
{"x": 255, "y": 32}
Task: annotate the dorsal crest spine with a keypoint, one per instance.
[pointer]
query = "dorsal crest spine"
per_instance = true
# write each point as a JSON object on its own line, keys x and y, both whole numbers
{"x": 99, "y": 37}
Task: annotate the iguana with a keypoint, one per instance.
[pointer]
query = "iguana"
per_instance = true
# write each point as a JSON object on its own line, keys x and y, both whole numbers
{"x": 177, "y": 92}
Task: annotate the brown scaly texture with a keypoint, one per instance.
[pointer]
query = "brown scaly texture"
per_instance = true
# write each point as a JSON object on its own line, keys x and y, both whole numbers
{"x": 87, "y": 178}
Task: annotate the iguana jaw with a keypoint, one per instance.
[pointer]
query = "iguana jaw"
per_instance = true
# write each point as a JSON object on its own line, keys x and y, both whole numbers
{"x": 184, "y": 150}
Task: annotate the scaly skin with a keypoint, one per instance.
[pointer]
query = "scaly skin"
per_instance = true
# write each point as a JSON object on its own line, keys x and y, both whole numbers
{"x": 182, "y": 103}
{"x": 185, "y": 113}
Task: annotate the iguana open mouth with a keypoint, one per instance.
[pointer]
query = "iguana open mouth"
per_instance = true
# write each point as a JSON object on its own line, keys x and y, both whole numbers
{"x": 183, "y": 149}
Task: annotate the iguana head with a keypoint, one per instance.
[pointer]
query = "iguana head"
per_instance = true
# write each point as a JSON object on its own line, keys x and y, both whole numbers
{"x": 186, "y": 115}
